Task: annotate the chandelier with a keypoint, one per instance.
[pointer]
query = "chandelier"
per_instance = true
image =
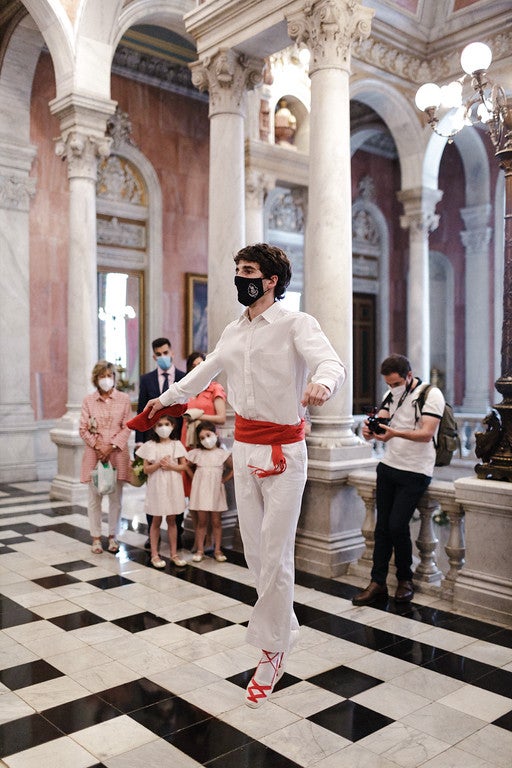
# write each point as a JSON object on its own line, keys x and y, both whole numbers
{"x": 486, "y": 103}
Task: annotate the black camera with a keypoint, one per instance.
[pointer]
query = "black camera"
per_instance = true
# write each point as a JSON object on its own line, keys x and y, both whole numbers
{"x": 374, "y": 422}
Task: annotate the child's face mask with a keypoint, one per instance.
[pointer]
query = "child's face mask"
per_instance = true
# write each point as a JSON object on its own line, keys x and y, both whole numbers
{"x": 209, "y": 442}
{"x": 164, "y": 430}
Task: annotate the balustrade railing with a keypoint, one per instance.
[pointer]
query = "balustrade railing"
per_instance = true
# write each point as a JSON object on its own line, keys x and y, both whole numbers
{"x": 438, "y": 501}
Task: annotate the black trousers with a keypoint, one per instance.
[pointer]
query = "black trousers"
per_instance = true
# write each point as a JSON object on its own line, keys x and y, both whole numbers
{"x": 398, "y": 494}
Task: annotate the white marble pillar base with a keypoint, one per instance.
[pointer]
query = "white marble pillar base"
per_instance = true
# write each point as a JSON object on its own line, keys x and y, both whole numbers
{"x": 17, "y": 437}
{"x": 66, "y": 484}
{"x": 484, "y": 585}
{"x": 329, "y": 534}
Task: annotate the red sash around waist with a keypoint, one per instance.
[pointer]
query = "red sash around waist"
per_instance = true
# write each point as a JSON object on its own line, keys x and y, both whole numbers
{"x": 268, "y": 433}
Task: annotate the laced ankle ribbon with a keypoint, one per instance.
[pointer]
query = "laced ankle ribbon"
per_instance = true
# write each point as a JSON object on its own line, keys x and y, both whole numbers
{"x": 256, "y": 691}
{"x": 268, "y": 433}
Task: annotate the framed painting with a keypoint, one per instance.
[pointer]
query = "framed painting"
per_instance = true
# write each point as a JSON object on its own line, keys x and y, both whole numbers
{"x": 196, "y": 313}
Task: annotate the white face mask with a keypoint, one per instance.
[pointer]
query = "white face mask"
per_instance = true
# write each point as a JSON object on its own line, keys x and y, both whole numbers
{"x": 209, "y": 442}
{"x": 163, "y": 431}
{"x": 106, "y": 383}
{"x": 397, "y": 392}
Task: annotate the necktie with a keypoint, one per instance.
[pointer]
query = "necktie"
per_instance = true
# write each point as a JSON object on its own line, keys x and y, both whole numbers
{"x": 166, "y": 382}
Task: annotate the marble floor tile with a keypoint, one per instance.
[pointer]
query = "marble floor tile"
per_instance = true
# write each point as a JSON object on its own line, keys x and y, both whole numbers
{"x": 474, "y": 701}
{"x": 431, "y": 684}
{"x": 97, "y": 679}
{"x": 355, "y": 756}
{"x": 403, "y": 745}
{"x": 304, "y": 699}
{"x": 12, "y": 707}
{"x": 59, "y": 752}
{"x": 154, "y": 753}
{"x": 390, "y": 700}
{"x": 490, "y": 743}
{"x": 304, "y": 742}
{"x": 113, "y": 737}
{"x": 487, "y": 653}
{"x": 444, "y": 723}
{"x": 456, "y": 758}
{"x": 262, "y": 722}
{"x": 381, "y": 666}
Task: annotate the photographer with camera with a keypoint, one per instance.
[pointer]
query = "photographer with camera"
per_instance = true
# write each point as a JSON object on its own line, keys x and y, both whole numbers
{"x": 403, "y": 474}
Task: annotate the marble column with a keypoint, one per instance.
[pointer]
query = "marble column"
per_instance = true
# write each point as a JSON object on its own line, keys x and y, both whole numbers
{"x": 419, "y": 218}
{"x": 476, "y": 239}
{"x": 257, "y": 187}
{"x": 17, "y": 425}
{"x": 82, "y": 143}
{"x": 226, "y": 76}
{"x": 329, "y": 535}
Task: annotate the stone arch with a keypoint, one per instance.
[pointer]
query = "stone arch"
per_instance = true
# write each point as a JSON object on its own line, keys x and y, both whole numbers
{"x": 164, "y": 13}
{"x": 56, "y": 28}
{"x": 402, "y": 121}
{"x": 25, "y": 45}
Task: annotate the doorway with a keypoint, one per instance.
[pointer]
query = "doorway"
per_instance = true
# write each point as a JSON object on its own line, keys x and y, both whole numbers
{"x": 364, "y": 331}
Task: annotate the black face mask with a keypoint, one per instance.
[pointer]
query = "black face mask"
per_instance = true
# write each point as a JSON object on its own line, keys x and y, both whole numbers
{"x": 250, "y": 289}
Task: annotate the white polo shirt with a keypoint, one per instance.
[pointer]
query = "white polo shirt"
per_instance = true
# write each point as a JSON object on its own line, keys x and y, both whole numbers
{"x": 406, "y": 454}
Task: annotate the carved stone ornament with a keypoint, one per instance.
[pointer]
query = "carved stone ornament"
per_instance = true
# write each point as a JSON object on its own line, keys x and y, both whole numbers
{"x": 119, "y": 128}
{"x": 364, "y": 230}
{"x": 121, "y": 233}
{"x": 16, "y": 191}
{"x": 118, "y": 181}
{"x": 82, "y": 153}
{"x": 329, "y": 28}
{"x": 227, "y": 76}
{"x": 285, "y": 215}
{"x": 257, "y": 186}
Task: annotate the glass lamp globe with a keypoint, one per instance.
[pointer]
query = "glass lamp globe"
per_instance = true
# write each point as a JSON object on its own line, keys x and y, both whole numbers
{"x": 428, "y": 95}
{"x": 476, "y": 57}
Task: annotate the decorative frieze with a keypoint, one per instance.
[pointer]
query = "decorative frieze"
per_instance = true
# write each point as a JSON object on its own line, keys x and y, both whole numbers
{"x": 121, "y": 233}
{"x": 286, "y": 214}
{"x": 154, "y": 71}
{"x": 16, "y": 191}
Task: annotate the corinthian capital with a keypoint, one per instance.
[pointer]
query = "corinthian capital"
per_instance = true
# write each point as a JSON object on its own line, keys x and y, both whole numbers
{"x": 329, "y": 28}
{"x": 227, "y": 76}
{"x": 419, "y": 209}
{"x": 82, "y": 153}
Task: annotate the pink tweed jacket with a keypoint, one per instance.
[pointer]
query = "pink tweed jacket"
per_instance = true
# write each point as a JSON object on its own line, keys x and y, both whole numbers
{"x": 105, "y": 419}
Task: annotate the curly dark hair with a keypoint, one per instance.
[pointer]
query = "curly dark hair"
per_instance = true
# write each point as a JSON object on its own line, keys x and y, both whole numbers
{"x": 272, "y": 261}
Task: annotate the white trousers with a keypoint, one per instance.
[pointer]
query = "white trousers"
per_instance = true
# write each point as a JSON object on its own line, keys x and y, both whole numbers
{"x": 268, "y": 513}
{"x": 94, "y": 510}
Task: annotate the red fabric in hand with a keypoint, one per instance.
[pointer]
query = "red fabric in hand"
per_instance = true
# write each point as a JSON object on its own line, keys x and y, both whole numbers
{"x": 142, "y": 422}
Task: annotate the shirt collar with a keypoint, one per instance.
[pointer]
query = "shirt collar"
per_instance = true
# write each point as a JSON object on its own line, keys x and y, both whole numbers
{"x": 269, "y": 315}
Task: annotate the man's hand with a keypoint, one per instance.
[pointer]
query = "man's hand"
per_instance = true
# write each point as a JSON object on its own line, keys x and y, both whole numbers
{"x": 153, "y": 406}
{"x": 315, "y": 394}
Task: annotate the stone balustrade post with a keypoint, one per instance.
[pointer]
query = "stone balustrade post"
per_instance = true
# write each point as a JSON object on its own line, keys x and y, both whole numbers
{"x": 427, "y": 570}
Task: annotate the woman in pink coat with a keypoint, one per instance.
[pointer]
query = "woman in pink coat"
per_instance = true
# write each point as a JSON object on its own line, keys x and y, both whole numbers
{"x": 105, "y": 434}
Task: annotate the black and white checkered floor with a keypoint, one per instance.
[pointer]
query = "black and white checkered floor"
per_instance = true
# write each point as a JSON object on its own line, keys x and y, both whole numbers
{"x": 106, "y": 662}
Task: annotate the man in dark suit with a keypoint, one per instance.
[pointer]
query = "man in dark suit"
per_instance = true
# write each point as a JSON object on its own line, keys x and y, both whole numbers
{"x": 152, "y": 385}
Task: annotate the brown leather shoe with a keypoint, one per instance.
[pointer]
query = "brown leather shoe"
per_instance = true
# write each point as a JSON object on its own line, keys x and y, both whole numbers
{"x": 371, "y": 594}
{"x": 404, "y": 592}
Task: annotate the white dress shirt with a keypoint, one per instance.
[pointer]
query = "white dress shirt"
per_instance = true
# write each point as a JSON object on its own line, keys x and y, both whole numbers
{"x": 267, "y": 362}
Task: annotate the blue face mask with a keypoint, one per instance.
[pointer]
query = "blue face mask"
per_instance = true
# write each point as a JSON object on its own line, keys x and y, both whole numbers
{"x": 164, "y": 362}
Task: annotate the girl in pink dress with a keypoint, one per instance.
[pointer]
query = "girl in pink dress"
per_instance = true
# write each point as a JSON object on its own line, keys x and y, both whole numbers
{"x": 164, "y": 463}
{"x": 212, "y": 467}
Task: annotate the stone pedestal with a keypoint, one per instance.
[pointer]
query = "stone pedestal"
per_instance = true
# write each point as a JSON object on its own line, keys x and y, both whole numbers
{"x": 329, "y": 535}
{"x": 484, "y": 585}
